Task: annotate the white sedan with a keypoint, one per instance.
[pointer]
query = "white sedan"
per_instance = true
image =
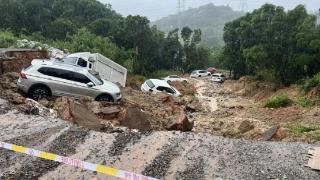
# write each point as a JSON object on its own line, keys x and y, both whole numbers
{"x": 199, "y": 73}
{"x": 156, "y": 85}
{"x": 218, "y": 78}
{"x": 174, "y": 78}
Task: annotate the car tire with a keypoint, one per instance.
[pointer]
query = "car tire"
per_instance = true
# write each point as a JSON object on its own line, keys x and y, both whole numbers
{"x": 39, "y": 92}
{"x": 105, "y": 98}
{"x": 185, "y": 81}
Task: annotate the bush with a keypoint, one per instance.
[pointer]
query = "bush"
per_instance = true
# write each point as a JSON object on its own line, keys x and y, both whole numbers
{"x": 278, "y": 102}
{"x": 164, "y": 73}
{"x": 308, "y": 84}
{"x": 135, "y": 81}
{"x": 312, "y": 131}
{"x": 7, "y": 39}
{"x": 303, "y": 102}
{"x": 266, "y": 75}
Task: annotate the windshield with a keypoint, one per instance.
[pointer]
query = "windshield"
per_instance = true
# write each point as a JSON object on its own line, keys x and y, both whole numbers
{"x": 95, "y": 78}
{"x": 68, "y": 60}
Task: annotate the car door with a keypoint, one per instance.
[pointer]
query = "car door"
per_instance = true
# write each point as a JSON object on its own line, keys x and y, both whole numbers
{"x": 80, "y": 85}
{"x": 56, "y": 80}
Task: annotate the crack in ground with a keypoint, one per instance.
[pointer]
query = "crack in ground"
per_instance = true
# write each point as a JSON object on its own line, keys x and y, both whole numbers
{"x": 122, "y": 140}
{"x": 64, "y": 145}
{"x": 194, "y": 170}
{"x": 161, "y": 163}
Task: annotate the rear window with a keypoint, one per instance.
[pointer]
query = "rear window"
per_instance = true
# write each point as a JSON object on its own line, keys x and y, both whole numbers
{"x": 175, "y": 77}
{"x": 202, "y": 71}
{"x": 150, "y": 84}
{"x": 82, "y": 62}
{"x": 165, "y": 89}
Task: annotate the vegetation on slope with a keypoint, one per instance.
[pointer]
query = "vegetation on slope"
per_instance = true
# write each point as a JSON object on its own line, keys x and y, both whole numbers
{"x": 89, "y": 25}
{"x": 209, "y": 18}
{"x": 286, "y": 44}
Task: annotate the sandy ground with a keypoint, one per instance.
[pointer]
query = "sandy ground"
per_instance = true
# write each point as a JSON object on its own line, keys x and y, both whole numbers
{"x": 234, "y": 116}
{"x": 166, "y": 155}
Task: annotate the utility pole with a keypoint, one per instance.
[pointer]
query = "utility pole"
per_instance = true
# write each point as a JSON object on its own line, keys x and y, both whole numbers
{"x": 243, "y": 5}
{"x": 181, "y": 8}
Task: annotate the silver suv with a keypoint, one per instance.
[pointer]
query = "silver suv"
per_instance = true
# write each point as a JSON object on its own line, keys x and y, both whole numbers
{"x": 45, "y": 79}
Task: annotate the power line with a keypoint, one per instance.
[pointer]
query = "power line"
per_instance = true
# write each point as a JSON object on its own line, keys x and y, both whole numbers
{"x": 181, "y": 8}
{"x": 243, "y": 5}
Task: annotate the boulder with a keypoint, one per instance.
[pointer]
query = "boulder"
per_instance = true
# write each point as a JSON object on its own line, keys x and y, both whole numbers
{"x": 62, "y": 106}
{"x": 180, "y": 122}
{"x": 134, "y": 118}
{"x": 17, "y": 98}
{"x": 245, "y": 126}
{"x": 83, "y": 116}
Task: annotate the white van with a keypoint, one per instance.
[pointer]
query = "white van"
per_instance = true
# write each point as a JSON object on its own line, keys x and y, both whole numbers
{"x": 106, "y": 68}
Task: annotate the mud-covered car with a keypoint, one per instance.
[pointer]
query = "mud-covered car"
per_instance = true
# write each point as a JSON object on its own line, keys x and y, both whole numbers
{"x": 45, "y": 79}
{"x": 157, "y": 85}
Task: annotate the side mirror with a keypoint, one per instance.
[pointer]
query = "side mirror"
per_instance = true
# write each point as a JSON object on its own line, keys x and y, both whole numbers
{"x": 90, "y": 84}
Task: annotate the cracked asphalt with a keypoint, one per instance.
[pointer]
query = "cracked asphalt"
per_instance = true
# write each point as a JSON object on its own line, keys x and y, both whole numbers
{"x": 161, "y": 154}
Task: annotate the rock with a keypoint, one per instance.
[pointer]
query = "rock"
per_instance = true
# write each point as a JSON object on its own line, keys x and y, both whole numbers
{"x": 270, "y": 133}
{"x": 83, "y": 116}
{"x": 245, "y": 126}
{"x": 181, "y": 123}
{"x": 109, "y": 112}
{"x": 95, "y": 107}
{"x": 17, "y": 99}
{"x": 280, "y": 134}
{"x": 35, "y": 108}
{"x": 44, "y": 102}
{"x": 134, "y": 118}
{"x": 62, "y": 106}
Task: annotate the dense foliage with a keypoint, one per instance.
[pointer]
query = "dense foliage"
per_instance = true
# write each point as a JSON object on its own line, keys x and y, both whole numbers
{"x": 89, "y": 25}
{"x": 278, "y": 102}
{"x": 273, "y": 44}
{"x": 209, "y": 18}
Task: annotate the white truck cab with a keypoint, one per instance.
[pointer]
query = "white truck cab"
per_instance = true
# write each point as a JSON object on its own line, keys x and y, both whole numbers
{"x": 106, "y": 68}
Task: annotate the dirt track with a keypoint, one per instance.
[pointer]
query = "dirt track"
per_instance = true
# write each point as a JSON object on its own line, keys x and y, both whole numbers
{"x": 169, "y": 155}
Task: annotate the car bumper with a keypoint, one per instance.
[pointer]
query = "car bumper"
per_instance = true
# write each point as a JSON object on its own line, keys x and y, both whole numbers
{"x": 118, "y": 98}
{"x": 22, "y": 86}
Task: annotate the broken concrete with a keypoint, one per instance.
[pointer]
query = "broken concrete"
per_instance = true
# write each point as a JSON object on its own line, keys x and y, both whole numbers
{"x": 14, "y": 60}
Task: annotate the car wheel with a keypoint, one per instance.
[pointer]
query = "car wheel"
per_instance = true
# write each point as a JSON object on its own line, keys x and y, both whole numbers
{"x": 185, "y": 81}
{"x": 105, "y": 98}
{"x": 39, "y": 92}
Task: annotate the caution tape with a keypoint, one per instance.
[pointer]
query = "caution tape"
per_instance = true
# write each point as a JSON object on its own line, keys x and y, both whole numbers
{"x": 75, "y": 162}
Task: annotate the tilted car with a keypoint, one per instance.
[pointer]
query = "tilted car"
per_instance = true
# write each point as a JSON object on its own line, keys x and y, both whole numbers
{"x": 156, "y": 85}
{"x": 199, "y": 73}
{"x": 46, "y": 78}
{"x": 174, "y": 78}
{"x": 218, "y": 78}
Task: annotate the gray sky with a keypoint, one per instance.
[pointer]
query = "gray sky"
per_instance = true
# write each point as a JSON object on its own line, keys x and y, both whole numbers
{"x": 156, "y": 9}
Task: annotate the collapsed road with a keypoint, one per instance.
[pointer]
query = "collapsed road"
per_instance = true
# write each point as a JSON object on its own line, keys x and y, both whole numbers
{"x": 161, "y": 154}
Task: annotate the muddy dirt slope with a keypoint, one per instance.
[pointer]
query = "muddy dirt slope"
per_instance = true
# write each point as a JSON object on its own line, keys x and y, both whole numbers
{"x": 168, "y": 155}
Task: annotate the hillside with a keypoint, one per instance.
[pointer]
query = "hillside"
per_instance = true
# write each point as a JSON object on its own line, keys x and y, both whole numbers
{"x": 209, "y": 18}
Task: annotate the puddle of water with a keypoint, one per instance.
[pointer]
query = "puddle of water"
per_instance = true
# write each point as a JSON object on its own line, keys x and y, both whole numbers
{"x": 210, "y": 102}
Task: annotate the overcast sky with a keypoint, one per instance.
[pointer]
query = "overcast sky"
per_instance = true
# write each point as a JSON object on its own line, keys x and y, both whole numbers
{"x": 156, "y": 9}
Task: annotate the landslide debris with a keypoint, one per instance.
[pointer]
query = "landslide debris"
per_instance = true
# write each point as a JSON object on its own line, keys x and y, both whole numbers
{"x": 141, "y": 111}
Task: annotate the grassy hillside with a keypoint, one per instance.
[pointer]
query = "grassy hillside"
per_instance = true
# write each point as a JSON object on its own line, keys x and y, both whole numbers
{"x": 209, "y": 18}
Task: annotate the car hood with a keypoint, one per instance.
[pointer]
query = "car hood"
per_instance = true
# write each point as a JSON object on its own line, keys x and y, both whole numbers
{"x": 109, "y": 86}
